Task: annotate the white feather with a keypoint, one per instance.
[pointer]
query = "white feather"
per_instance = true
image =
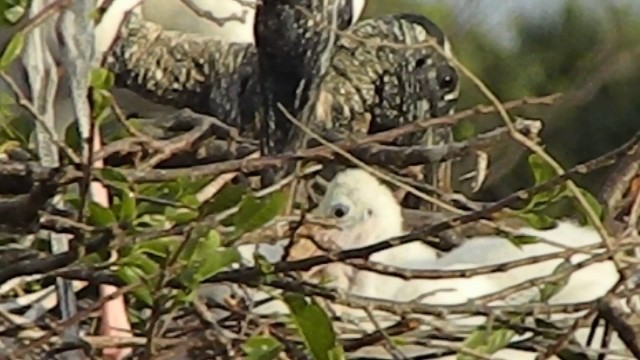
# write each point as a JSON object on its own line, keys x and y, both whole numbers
{"x": 175, "y": 15}
{"x": 361, "y": 191}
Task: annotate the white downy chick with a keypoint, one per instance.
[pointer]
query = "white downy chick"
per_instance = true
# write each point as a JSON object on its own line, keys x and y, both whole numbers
{"x": 491, "y": 250}
{"x": 366, "y": 213}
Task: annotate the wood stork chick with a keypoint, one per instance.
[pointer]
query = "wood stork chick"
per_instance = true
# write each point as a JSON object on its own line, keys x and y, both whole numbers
{"x": 368, "y": 213}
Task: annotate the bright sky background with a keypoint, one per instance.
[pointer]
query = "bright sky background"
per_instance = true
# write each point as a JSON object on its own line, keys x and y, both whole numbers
{"x": 495, "y": 15}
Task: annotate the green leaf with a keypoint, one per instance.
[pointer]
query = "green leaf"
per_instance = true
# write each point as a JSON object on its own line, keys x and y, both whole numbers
{"x": 542, "y": 171}
{"x": 205, "y": 258}
{"x": 113, "y": 175}
{"x": 101, "y": 78}
{"x": 313, "y": 324}
{"x": 133, "y": 275}
{"x": 228, "y": 197}
{"x": 128, "y": 211}
{"x": 262, "y": 348}
{"x": 540, "y": 200}
{"x": 551, "y": 288}
{"x": 207, "y": 244}
{"x": 537, "y": 220}
{"x": 190, "y": 201}
{"x": 190, "y": 253}
{"x": 487, "y": 340}
{"x": 150, "y": 221}
{"x": 254, "y": 213}
{"x": 180, "y": 215}
{"x": 101, "y": 105}
{"x": 142, "y": 262}
{"x": 160, "y": 247}
{"x": 72, "y": 137}
{"x": 12, "y": 51}
{"x": 12, "y": 11}
{"x": 520, "y": 240}
{"x": 211, "y": 257}
{"x": 218, "y": 260}
{"x": 337, "y": 353}
{"x": 592, "y": 203}
{"x": 100, "y": 215}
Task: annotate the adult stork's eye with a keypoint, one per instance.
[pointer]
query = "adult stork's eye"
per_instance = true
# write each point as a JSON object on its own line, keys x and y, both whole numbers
{"x": 340, "y": 210}
{"x": 447, "y": 78}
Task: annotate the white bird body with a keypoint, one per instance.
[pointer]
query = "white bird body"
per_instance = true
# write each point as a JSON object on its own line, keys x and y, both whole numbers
{"x": 586, "y": 284}
{"x": 374, "y": 215}
{"x": 175, "y": 15}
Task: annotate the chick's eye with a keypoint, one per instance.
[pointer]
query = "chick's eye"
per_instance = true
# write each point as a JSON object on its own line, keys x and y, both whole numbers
{"x": 340, "y": 210}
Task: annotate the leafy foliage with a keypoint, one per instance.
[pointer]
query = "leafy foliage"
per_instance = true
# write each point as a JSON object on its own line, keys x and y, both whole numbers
{"x": 315, "y": 327}
{"x": 487, "y": 339}
{"x": 555, "y": 202}
{"x": 262, "y": 348}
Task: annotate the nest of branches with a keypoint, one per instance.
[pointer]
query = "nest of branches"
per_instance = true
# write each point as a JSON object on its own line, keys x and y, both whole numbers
{"x": 184, "y": 195}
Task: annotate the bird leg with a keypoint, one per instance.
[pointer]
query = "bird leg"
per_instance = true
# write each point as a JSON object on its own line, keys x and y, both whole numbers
{"x": 114, "y": 320}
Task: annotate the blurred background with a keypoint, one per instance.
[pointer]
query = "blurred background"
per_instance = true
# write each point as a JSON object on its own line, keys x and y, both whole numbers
{"x": 587, "y": 49}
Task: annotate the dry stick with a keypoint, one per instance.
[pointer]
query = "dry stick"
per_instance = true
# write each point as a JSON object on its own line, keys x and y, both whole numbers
{"x": 617, "y": 183}
{"x": 29, "y": 267}
{"x": 218, "y": 20}
{"x": 500, "y": 227}
{"x": 555, "y": 276}
{"x": 21, "y": 353}
{"x": 107, "y": 298}
{"x": 323, "y": 151}
{"x": 627, "y": 334}
{"x": 408, "y": 274}
{"x": 252, "y": 273}
{"x": 212, "y": 188}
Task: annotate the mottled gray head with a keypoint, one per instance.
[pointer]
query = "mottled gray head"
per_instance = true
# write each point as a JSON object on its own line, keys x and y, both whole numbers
{"x": 443, "y": 89}
{"x": 387, "y": 73}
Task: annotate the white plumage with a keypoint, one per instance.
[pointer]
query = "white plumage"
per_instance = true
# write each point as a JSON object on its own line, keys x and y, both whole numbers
{"x": 175, "y": 15}
{"x": 367, "y": 213}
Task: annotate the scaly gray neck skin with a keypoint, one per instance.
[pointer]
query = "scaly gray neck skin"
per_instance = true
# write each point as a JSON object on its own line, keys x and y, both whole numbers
{"x": 375, "y": 88}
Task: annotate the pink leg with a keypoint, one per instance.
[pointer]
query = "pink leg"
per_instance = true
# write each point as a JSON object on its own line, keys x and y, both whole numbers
{"x": 114, "y": 313}
{"x": 114, "y": 322}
